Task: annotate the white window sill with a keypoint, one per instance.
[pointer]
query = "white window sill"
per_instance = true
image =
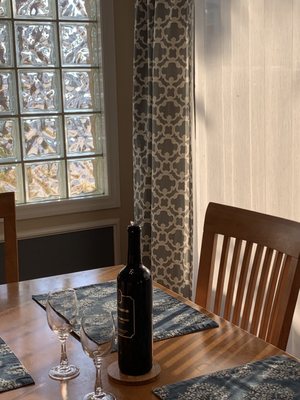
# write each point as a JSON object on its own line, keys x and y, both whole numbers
{"x": 69, "y": 206}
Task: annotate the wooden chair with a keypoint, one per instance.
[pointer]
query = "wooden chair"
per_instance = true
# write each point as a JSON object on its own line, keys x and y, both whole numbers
{"x": 8, "y": 214}
{"x": 255, "y": 268}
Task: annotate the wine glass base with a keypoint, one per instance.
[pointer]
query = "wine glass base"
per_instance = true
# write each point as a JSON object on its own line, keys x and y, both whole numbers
{"x": 63, "y": 374}
{"x": 102, "y": 396}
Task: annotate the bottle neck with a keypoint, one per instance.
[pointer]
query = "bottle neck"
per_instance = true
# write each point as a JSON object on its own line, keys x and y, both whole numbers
{"x": 134, "y": 258}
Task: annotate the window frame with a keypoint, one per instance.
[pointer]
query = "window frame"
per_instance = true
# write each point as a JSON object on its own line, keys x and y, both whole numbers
{"x": 112, "y": 199}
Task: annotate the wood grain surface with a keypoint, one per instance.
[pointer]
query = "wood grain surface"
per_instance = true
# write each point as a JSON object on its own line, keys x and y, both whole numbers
{"x": 24, "y": 328}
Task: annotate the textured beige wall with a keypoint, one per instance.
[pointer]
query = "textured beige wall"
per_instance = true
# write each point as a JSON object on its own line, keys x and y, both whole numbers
{"x": 123, "y": 20}
{"x": 248, "y": 110}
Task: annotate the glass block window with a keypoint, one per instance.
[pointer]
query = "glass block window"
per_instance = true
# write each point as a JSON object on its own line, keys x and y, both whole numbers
{"x": 52, "y": 140}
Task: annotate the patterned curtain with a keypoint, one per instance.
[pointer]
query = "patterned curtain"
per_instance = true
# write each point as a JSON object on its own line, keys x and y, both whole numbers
{"x": 162, "y": 115}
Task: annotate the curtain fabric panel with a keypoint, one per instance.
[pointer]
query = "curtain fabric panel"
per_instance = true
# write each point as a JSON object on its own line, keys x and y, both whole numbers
{"x": 162, "y": 119}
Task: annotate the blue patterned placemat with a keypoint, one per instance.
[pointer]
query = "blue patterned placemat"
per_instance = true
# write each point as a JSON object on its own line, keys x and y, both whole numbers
{"x": 171, "y": 317}
{"x": 12, "y": 373}
{"x": 276, "y": 377}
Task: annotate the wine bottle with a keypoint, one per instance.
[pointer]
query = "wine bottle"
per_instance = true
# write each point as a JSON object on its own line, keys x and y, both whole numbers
{"x": 134, "y": 285}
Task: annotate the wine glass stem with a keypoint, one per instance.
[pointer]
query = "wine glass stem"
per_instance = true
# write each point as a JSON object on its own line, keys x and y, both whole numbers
{"x": 98, "y": 381}
{"x": 63, "y": 354}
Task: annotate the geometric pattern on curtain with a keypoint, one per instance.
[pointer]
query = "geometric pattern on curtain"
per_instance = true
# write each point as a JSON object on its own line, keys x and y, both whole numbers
{"x": 162, "y": 128}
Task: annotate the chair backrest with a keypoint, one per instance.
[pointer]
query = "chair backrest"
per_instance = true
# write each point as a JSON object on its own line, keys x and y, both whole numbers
{"x": 249, "y": 271}
{"x": 8, "y": 213}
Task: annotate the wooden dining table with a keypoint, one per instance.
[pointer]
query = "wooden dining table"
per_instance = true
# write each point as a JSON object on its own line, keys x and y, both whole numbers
{"x": 24, "y": 328}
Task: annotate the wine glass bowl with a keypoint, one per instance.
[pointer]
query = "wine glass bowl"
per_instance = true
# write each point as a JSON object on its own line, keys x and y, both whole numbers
{"x": 97, "y": 335}
{"x": 61, "y": 309}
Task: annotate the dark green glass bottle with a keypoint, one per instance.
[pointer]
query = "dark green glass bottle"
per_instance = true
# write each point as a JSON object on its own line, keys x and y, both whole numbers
{"x": 134, "y": 310}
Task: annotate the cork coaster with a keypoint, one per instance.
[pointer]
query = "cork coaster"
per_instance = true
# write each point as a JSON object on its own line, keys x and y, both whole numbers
{"x": 116, "y": 375}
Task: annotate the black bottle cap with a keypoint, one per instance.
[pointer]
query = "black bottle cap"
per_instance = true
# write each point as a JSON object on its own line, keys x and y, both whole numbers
{"x": 133, "y": 228}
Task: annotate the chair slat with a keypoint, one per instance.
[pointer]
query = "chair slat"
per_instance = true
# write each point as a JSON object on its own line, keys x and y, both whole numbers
{"x": 242, "y": 284}
{"x": 261, "y": 291}
{"x": 270, "y": 296}
{"x": 252, "y": 286}
{"x": 232, "y": 278}
{"x": 207, "y": 257}
{"x": 221, "y": 275}
{"x": 281, "y": 297}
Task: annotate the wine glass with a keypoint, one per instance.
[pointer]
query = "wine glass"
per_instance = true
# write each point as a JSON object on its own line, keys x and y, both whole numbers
{"x": 97, "y": 337}
{"x": 61, "y": 308}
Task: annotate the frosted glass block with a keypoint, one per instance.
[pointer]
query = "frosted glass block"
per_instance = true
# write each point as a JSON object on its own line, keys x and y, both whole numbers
{"x": 36, "y": 44}
{"x": 77, "y": 9}
{"x": 9, "y": 140}
{"x": 83, "y": 134}
{"x": 79, "y": 44}
{"x": 44, "y": 181}
{"x": 5, "y": 11}
{"x": 11, "y": 180}
{"x": 5, "y": 45}
{"x": 84, "y": 177}
{"x": 34, "y": 9}
{"x": 81, "y": 90}
{"x": 40, "y": 91}
{"x": 41, "y": 137}
{"x": 7, "y": 93}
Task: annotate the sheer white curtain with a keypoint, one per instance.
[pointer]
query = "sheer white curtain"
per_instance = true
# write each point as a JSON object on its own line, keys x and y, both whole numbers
{"x": 247, "y": 141}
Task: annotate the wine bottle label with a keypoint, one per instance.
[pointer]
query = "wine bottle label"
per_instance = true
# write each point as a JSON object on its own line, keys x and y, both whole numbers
{"x": 126, "y": 316}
